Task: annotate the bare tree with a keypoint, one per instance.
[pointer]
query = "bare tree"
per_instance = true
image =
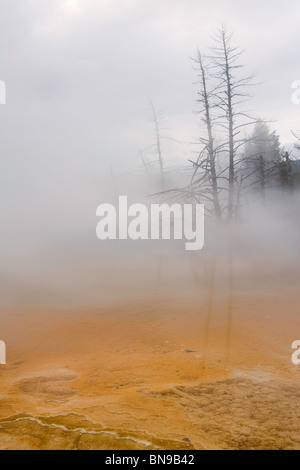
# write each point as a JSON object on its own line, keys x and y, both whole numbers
{"x": 207, "y": 158}
{"x": 218, "y": 181}
{"x": 230, "y": 95}
{"x": 158, "y": 144}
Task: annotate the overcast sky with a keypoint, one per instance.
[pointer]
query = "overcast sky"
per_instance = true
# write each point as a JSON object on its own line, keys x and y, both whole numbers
{"x": 80, "y": 73}
{"x": 79, "y": 76}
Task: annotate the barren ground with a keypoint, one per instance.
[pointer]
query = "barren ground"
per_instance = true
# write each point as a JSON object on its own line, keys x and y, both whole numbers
{"x": 152, "y": 375}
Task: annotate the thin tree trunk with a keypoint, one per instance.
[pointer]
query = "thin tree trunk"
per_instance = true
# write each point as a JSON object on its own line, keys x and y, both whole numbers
{"x": 158, "y": 143}
{"x": 211, "y": 149}
{"x": 230, "y": 117}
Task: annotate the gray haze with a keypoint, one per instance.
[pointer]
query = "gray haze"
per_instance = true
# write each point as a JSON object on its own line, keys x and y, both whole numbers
{"x": 79, "y": 76}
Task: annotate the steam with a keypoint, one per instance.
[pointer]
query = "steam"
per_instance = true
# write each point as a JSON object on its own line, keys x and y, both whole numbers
{"x": 54, "y": 257}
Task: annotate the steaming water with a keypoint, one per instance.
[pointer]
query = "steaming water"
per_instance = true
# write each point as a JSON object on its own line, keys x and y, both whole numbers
{"x": 99, "y": 327}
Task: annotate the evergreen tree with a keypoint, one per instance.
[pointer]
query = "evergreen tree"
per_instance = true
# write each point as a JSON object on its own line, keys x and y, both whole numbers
{"x": 261, "y": 165}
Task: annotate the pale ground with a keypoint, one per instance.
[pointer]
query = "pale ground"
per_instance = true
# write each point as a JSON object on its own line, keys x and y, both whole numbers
{"x": 188, "y": 367}
{"x": 148, "y": 378}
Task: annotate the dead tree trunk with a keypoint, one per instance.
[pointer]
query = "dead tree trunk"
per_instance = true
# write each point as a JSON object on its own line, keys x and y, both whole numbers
{"x": 158, "y": 146}
{"x": 230, "y": 95}
{"x": 230, "y": 127}
{"x": 207, "y": 119}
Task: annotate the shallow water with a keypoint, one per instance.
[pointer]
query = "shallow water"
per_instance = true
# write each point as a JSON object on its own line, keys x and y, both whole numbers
{"x": 156, "y": 349}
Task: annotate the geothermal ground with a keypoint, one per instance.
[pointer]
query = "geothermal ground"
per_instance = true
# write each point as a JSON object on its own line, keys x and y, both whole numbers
{"x": 211, "y": 372}
{"x": 176, "y": 350}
